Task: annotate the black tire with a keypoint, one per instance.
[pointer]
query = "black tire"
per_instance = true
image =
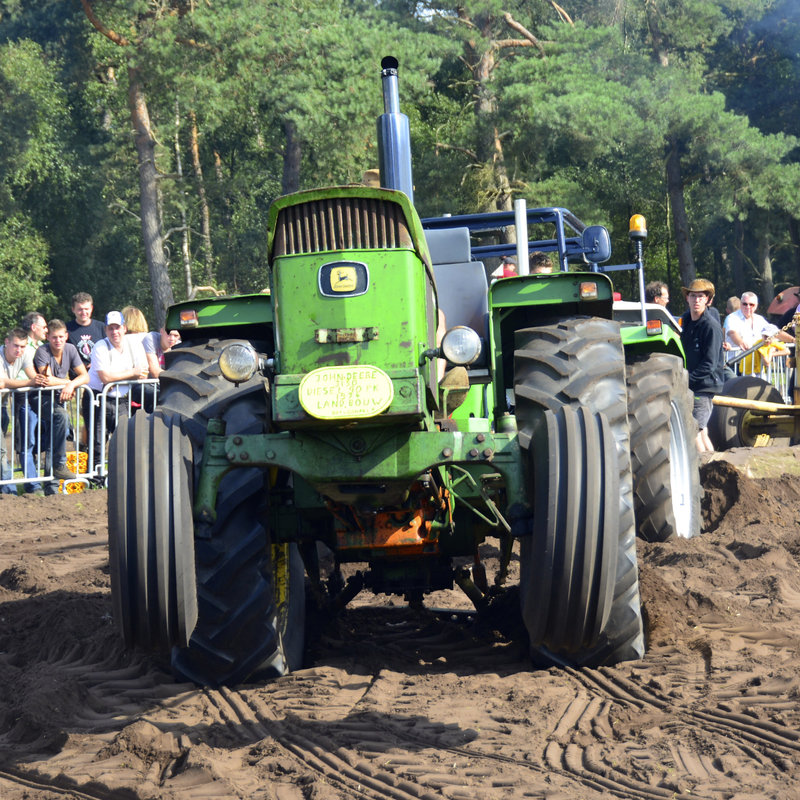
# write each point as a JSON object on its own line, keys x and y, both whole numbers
{"x": 666, "y": 472}
{"x": 569, "y": 562}
{"x": 728, "y": 427}
{"x": 241, "y": 628}
{"x": 579, "y": 363}
{"x": 151, "y": 554}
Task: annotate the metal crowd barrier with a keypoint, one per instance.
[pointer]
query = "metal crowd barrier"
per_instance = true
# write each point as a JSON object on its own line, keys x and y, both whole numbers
{"x": 776, "y": 370}
{"x": 28, "y": 425}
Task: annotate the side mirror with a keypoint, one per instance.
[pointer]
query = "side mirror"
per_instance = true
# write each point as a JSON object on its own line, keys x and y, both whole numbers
{"x": 596, "y": 244}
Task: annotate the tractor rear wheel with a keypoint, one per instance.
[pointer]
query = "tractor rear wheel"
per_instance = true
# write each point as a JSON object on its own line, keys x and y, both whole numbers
{"x": 666, "y": 474}
{"x": 729, "y": 427}
{"x": 579, "y": 363}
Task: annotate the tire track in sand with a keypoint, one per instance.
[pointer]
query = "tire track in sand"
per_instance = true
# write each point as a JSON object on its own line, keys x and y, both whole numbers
{"x": 746, "y": 750}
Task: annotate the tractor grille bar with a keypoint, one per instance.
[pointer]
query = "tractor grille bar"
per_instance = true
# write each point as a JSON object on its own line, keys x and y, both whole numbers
{"x": 342, "y": 223}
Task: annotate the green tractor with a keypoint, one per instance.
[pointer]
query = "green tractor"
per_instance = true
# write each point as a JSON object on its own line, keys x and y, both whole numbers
{"x": 382, "y": 400}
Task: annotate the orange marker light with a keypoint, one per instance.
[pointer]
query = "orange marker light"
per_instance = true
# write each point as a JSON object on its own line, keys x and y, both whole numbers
{"x": 637, "y": 229}
{"x": 189, "y": 319}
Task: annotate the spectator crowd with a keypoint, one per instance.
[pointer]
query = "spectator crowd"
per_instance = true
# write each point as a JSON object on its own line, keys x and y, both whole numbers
{"x": 62, "y": 357}
{"x": 112, "y": 355}
{"x": 744, "y": 343}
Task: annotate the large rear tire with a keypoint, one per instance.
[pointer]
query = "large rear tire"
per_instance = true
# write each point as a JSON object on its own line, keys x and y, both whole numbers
{"x": 579, "y": 364}
{"x": 666, "y": 473}
{"x": 728, "y": 427}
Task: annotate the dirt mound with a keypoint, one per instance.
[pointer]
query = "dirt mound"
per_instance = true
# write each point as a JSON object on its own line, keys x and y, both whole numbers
{"x": 402, "y": 703}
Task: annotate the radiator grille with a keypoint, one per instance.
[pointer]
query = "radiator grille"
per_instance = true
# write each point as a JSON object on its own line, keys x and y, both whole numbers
{"x": 342, "y": 223}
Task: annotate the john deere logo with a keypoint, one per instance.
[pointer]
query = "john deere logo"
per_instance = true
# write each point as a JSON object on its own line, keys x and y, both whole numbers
{"x": 343, "y": 279}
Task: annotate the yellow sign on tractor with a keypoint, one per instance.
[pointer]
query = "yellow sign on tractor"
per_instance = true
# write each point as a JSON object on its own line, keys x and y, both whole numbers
{"x": 346, "y": 392}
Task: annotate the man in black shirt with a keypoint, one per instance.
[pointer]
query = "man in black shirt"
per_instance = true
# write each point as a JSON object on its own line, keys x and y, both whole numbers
{"x": 701, "y": 336}
{"x": 84, "y": 332}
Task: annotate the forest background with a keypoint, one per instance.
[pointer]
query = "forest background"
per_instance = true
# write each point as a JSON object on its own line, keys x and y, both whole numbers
{"x": 142, "y": 141}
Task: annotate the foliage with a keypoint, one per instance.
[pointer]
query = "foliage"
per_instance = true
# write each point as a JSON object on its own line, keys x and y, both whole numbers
{"x": 572, "y": 104}
{"x": 23, "y": 273}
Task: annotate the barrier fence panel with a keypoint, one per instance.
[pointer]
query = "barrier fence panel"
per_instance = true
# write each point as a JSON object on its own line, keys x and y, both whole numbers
{"x": 39, "y": 433}
{"x": 772, "y": 367}
{"x": 121, "y": 398}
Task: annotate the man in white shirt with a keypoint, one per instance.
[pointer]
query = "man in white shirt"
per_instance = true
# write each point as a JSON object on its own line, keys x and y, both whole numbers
{"x": 113, "y": 359}
{"x": 744, "y": 328}
{"x": 17, "y": 372}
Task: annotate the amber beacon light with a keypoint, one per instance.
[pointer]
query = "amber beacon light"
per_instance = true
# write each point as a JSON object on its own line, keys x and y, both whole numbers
{"x": 637, "y": 229}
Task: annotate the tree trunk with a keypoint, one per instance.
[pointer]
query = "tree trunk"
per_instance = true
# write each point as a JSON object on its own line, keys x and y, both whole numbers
{"x": 490, "y": 143}
{"x": 738, "y": 256}
{"x": 291, "y": 159}
{"x": 660, "y": 45}
{"x": 205, "y": 214}
{"x": 504, "y": 200}
{"x": 185, "y": 247}
{"x": 680, "y": 221}
{"x": 767, "y": 291}
{"x": 148, "y": 193}
{"x": 227, "y": 221}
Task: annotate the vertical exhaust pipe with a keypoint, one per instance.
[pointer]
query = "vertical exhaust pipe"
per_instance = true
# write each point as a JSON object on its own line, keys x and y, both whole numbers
{"x": 394, "y": 137}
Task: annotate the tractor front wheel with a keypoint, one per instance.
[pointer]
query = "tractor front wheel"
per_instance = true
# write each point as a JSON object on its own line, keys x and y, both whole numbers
{"x": 151, "y": 552}
{"x": 569, "y": 562}
{"x": 227, "y": 600}
{"x": 578, "y": 364}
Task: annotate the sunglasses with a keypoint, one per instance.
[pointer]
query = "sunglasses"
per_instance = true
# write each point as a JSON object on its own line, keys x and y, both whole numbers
{"x": 749, "y": 304}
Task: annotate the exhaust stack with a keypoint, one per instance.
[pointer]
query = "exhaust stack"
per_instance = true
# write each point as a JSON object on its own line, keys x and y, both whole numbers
{"x": 394, "y": 138}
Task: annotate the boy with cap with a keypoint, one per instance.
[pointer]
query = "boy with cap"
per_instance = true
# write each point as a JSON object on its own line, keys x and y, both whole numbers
{"x": 701, "y": 336}
{"x": 507, "y": 268}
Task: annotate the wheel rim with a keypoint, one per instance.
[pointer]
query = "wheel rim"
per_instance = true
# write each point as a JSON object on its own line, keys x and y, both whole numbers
{"x": 679, "y": 468}
{"x": 743, "y": 428}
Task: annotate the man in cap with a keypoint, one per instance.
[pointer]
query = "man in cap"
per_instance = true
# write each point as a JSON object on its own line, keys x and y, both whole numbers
{"x": 507, "y": 268}
{"x": 701, "y": 336}
{"x": 115, "y": 358}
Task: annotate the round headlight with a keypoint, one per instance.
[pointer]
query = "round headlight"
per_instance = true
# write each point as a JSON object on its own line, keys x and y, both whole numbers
{"x": 461, "y": 345}
{"x": 238, "y": 362}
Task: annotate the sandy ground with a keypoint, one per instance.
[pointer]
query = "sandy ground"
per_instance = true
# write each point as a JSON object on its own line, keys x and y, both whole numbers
{"x": 405, "y": 704}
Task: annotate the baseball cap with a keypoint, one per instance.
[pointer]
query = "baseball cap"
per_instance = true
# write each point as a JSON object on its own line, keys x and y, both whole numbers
{"x": 114, "y": 318}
